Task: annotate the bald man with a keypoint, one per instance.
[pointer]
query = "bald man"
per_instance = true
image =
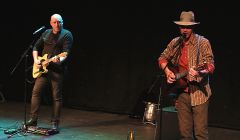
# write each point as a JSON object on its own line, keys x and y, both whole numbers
{"x": 50, "y": 53}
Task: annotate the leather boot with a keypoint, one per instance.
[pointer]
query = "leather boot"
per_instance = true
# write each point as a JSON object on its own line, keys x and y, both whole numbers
{"x": 55, "y": 126}
{"x": 31, "y": 122}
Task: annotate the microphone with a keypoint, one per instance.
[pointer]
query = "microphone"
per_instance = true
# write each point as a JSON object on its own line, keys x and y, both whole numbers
{"x": 181, "y": 38}
{"x": 39, "y": 30}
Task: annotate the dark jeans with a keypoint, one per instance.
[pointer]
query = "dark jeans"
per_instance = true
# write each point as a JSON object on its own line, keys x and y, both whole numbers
{"x": 56, "y": 83}
{"x": 193, "y": 120}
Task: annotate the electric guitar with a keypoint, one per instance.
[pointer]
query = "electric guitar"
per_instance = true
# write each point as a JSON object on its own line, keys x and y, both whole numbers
{"x": 38, "y": 71}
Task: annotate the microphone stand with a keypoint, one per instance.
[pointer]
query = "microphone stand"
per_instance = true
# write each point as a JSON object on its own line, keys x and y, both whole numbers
{"x": 158, "y": 128}
{"x": 23, "y": 128}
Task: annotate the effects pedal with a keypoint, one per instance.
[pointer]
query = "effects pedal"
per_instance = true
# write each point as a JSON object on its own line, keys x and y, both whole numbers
{"x": 41, "y": 130}
{"x": 10, "y": 131}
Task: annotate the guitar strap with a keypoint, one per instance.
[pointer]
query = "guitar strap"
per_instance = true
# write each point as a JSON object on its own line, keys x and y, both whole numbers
{"x": 191, "y": 87}
{"x": 198, "y": 50}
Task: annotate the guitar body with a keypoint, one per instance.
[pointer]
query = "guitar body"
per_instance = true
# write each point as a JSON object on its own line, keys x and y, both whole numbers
{"x": 180, "y": 83}
{"x": 38, "y": 71}
{"x": 181, "y": 79}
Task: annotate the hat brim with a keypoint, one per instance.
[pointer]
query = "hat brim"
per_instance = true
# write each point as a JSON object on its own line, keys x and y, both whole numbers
{"x": 186, "y": 23}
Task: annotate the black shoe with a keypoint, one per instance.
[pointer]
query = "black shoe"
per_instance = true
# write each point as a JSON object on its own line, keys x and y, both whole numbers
{"x": 31, "y": 122}
{"x": 55, "y": 126}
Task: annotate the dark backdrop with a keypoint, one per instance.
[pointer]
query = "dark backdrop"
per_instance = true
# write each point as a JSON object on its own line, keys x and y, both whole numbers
{"x": 113, "y": 66}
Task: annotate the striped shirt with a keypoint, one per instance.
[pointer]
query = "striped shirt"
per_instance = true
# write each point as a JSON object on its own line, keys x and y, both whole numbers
{"x": 198, "y": 87}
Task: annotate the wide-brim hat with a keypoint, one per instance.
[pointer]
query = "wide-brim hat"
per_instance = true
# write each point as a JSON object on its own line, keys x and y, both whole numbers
{"x": 186, "y": 19}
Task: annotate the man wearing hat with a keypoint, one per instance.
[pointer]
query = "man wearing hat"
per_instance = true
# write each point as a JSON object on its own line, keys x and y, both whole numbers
{"x": 187, "y": 63}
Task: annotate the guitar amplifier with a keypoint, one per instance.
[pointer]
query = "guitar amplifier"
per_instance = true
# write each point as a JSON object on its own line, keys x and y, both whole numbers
{"x": 168, "y": 130}
{"x": 41, "y": 130}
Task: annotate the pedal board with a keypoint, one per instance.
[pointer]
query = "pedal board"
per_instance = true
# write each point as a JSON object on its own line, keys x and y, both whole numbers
{"x": 41, "y": 130}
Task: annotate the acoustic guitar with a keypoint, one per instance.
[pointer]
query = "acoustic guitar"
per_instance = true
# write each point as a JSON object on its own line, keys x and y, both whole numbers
{"x": 38, "y": 71}
{"x": 181, "y": 79}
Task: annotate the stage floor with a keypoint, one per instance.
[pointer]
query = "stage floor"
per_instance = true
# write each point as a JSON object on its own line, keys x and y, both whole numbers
{"x": 75, "y": 124}
{"x": 87, "y": 125}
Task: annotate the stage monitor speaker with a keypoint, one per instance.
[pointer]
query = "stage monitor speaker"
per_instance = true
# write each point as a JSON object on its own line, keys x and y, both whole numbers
{"x": 168, "y": 130}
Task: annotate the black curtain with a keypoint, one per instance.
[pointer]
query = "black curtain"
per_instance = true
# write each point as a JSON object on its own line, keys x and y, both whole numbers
{"x": 113, "y": 63}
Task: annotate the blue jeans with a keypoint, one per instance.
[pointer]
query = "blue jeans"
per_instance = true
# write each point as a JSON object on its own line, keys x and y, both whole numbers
{"x": 193, "y": 120}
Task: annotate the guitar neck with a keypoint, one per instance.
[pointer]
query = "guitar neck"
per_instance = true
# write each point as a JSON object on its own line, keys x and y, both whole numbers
{"x": 181, "y": 75}
{"x": 51, "y": 59}
{"x": 47, "y": 61}
{"x": 184, "y": 73}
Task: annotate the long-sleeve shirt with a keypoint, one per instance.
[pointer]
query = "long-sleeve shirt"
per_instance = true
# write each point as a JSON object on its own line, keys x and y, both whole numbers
{"x": 54, "y": 44}
{"x": 198, "y": 87}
